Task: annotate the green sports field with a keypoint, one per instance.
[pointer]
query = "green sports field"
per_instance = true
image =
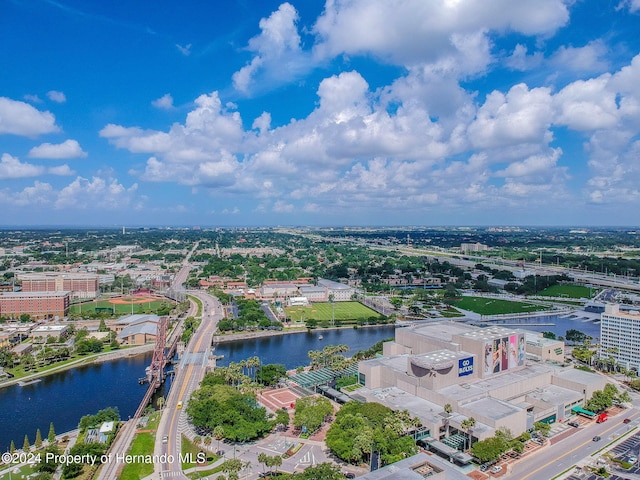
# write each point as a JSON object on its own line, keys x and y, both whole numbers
{"x": 116, "y": 308}
{"x": 569, "y": 291}
{"x": 322, "y": 311}
{"x": 494, "y": 306}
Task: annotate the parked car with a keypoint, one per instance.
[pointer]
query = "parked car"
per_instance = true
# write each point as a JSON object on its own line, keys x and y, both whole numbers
{"x": 574, "y": 423}
{"x": 596, "y": 438}
{"x": 496, "y": 469}
{"x": 632, "y": 459}
{"x": 349, "y": 475}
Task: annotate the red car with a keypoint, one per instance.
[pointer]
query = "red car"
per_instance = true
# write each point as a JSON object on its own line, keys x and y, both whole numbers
{"x": 626, "y": 420}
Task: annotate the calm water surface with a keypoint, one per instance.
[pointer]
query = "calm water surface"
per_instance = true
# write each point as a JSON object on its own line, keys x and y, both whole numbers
{"x": 291, "y": 350}
{"x": 62, "y": 398}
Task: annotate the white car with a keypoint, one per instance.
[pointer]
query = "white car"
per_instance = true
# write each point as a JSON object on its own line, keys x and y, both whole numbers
{"x": 496, "y": 469}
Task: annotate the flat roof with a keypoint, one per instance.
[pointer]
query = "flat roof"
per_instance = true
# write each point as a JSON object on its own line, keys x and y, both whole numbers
{"x": 536, "y": 339}
{"x": 416, "y": 467}
{"x": 439, "y": 330}
{"x": 579, "y": 376}
{"x": 49, "y": 328}
{"x": 493, "y": 408}
{"x": 477, "y": 388}
{"x": 490, "y": 333}
{"x": 555, "y": 395}
{"x": 397, "y": 399}
{"x": 34, "y": 294}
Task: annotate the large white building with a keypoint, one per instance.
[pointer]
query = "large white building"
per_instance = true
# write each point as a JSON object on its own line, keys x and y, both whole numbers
{"x": 620, "y": 336}
{"x": 500, "y": 377}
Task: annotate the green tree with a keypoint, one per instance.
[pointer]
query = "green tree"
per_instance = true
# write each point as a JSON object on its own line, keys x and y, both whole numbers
{"x": 12, "y": 447}
{"x": 323, "y": 471}
{"x": 237, "y": 413}
{"x": 270, "y": 374}
{"x": 372, "y": 424}
{"x": 47, "y": 463}
{"x": 489, "y": 449}
{"x": 26, "y": 446}
{"x": 262, "y": 459}
{"x": 282, "y": 418}
{"x": 311, "y": 411}
{"x": 38, "y": 442}
{"x": 218, "y": 434}
{"x": 51, "y": 437}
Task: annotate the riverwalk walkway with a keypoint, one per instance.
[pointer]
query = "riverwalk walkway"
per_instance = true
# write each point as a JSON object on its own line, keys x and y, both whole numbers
{"x": 88, "y": 360}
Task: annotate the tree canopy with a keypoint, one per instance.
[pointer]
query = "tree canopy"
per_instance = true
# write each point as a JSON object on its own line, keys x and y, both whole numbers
{"x": 311, "y": 411}
{"x": 360, "y": 428}
{"x": 237, "y": 413}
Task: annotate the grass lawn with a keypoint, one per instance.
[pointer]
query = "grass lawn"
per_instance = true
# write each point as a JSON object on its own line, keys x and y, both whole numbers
{"x": 569, "y": 291}
{"x": 120, "y": 309}
{"x": 142, "y": 444}
{"x": 23, "y": 472}
{"x": 19, "y": 371}
{"x": 493, "y": 306}
{"x": 190, "y": 451}
{"x": 322, "y": 311}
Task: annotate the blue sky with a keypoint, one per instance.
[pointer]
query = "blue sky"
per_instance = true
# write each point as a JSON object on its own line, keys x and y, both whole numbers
{"x": 348, "y": 112}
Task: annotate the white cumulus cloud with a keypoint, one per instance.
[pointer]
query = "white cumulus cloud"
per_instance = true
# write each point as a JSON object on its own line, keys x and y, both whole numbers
{"x": 11, "y": 168}
{"x": 20, "y": 118}
{"x": 56, "y": 96}
{"x": 165, "y": 102}
{"x": 278, "y": 57}
{"x": 65, "y": 150}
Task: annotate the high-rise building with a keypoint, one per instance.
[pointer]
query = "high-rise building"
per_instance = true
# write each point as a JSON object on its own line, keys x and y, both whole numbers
{"x": 620, "y": 336}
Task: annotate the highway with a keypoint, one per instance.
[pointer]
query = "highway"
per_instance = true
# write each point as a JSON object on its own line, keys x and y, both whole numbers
{"x": 189, "y": 373}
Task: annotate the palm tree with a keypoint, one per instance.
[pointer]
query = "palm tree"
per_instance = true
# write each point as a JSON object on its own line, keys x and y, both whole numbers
{"x": 262, "y": 458}
{"x": 160, "y": 403}
{"x": 207, "y": 441}
{"x": 467, "y": 425}
{"x": 218, "y": 434}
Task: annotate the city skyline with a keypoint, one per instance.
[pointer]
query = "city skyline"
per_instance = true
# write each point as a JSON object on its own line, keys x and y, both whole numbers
{"x": 339, "y": 113}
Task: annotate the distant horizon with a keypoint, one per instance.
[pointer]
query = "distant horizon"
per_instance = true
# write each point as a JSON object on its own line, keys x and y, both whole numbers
{"x": 246, "y": 226}
{"x": 427, "y": 112}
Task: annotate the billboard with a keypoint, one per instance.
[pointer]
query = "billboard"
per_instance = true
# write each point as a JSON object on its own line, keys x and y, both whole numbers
{"x": 501, "y": 354}
{"x": 465, "y": 366}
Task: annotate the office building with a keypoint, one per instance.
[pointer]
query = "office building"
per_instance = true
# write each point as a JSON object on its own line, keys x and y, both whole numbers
{"x": 620, "y": 336}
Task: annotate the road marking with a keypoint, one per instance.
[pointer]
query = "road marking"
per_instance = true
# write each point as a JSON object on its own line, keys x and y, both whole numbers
{"x": 570, "y": 452}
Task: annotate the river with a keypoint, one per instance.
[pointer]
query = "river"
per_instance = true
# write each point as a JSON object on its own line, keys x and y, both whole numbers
{"x": 291, "y": 350}
{"x": 64, "y": 397}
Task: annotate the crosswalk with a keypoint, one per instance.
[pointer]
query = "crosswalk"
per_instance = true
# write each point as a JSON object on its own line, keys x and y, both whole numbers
{"x": 308, "y": 458}
{"x": 172, "y": 474}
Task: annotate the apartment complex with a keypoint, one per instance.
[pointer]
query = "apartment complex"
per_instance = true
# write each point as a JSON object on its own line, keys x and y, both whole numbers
{"x": 39, "y": 305}
{"x": 620, "y": 336}
{"x": 81, "y": 285}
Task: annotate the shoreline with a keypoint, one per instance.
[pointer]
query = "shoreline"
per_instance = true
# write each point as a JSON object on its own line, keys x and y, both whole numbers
{"x": 234, "y": 337}
{"x": 80, "y": 362}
